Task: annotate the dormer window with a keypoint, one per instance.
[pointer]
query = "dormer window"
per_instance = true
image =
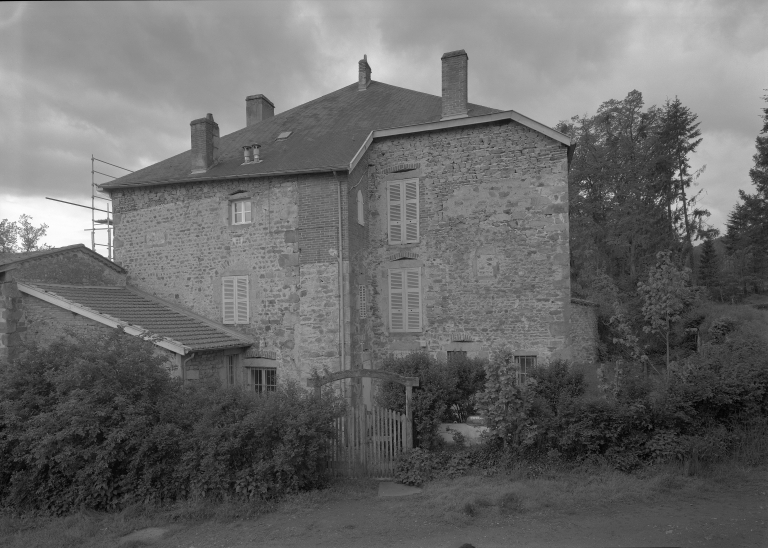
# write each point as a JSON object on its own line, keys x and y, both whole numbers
{"x": 251, "y": 154}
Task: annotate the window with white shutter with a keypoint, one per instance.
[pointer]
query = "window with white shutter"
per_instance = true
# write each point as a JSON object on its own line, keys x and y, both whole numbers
{"x": 403, "y": 207}
{"x": 234, "y": 300}
{"x": 405, "y": 300}
{"x": 360, "y": 208}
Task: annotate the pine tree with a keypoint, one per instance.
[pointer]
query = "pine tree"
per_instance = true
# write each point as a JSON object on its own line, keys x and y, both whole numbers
{"x": 709, "y": 265}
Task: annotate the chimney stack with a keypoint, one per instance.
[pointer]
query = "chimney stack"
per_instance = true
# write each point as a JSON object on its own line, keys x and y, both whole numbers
{"x": 205, "y": 144}
{"x": 258, "y": 108}
{"x": 364, "y": 74}
{"x": 455, "y": 84}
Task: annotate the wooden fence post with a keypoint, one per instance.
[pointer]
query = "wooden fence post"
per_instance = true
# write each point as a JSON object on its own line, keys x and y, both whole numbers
{"x": 408, "y": 419}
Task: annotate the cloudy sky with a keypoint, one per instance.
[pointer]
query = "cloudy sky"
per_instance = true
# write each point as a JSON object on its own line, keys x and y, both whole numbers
{"x": 122, "y": 81}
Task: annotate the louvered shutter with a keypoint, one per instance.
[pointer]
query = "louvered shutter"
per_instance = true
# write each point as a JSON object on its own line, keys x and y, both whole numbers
{"x": 413, "y": 299}
{"x": 228, "y": 300}
{"x": 242, "y": 308}
{"x": 395, "y": 202}
{"x": 396, "y": 301}
{"x": 411, "y": 207}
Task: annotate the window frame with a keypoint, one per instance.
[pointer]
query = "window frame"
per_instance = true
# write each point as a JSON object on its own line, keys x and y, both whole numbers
{"x": 234, "y": 213}
{"x": 240, "y": 300}
{"x": 523, "y": 365}
{"x": 264, "y": 385}
{"x": 400, "y": 208}
{"x": 362, "y": 301}
{"x": 230, "y": 369}
{"x": 406, "y": 276}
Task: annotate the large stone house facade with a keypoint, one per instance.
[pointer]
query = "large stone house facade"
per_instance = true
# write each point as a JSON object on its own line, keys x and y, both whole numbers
{"x": 372, "y": 220}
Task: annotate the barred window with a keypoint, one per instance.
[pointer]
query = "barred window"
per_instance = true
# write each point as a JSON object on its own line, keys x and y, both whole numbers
{"x": 362, "y": 300}
{"x": 525, "y": 364}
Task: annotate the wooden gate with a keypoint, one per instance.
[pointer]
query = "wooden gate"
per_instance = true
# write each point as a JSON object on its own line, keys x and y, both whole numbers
{"x": 369, "y": 439}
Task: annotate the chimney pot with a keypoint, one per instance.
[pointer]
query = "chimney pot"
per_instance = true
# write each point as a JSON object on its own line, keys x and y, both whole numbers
{"x": 258, "y": 108}
{"x": 455, "y": 84}
{"x": 255, "y": 148}
{"x": 364, "y": 74}
{"x": 205, "y": 143}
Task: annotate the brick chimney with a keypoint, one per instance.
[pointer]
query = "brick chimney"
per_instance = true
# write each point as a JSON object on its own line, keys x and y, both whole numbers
{"x": 364, "y": 74}
{"x": 258, "y": 108}
{"x": 454, "y": 84}
{"x": 205, "y": 144}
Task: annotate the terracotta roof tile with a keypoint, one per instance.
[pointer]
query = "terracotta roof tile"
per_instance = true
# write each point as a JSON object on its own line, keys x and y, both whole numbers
{"x": 156, "y": 316}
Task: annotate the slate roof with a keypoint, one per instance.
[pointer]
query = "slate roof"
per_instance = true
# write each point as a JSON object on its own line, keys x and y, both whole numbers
{"x": 326, "y": 134}
{"x": 139, "y": 309}
{"x": 11, "y": 258}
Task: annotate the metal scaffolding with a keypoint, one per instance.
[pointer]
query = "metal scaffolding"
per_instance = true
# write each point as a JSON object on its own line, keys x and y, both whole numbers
{"x": 94, "y": 221}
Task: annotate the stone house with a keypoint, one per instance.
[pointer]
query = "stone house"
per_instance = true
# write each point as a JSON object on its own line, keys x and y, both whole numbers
{"x": 73, "y": 291}
{"x": 369, "y": 221}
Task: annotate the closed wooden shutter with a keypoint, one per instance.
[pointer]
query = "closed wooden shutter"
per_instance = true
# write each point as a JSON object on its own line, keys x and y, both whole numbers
{"x": 360, "y": 208}
{"x": 234, "y": 300}
{"x": 228, "y": 299}
{"x": 413, "y": 299}
{"x": 405, "y": 300}
{"x": 411, "y": 206}
{"x": 395, "y": 202}
{"x": 396, "y": 301}
{"x": 243, "y": 308}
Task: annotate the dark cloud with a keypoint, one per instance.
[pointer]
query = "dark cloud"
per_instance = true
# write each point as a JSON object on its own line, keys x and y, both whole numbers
{"x": 123, "y": 80}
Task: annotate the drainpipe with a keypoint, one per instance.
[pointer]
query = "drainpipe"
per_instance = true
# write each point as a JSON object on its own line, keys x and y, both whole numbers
{"x": 342, "y": 332}
{"x": 184, "y": 363}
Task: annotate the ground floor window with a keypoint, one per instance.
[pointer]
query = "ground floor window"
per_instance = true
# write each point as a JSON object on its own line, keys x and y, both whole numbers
{"x": 262, "y": 380}
{"x": 231, "y": 368}
{"x": 456, "y": 355}
{"x": 525, "y": 364}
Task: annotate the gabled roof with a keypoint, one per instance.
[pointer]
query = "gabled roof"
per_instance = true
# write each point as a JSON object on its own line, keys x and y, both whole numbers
{"x": 141, "y": 314}
{"x": 9, "y": 259}
{"x": 326, "y": 134}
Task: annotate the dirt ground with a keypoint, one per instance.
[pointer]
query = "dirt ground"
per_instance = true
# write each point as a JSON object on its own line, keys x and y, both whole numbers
{"x": 735, "y": 515}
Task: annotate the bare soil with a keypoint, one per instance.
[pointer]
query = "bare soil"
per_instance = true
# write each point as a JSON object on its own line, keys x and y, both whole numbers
{"x": 734, "y": 514}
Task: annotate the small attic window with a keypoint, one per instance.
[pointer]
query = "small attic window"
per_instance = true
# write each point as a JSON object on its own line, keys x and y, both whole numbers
{"x": 283, "y": 136}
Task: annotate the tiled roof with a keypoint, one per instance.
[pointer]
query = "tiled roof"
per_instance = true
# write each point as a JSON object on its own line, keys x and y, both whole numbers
{"x": 134, "y": 307}
{"x": 11, "y": 258}
{"x": 326, "y": 134}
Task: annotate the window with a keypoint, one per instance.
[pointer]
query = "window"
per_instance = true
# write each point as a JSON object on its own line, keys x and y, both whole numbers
{"x": 241, "y": 212}
{"x": 362, "y": 300}
{"x": 234, "y": 300}
{"x": 360, "y": 208}
{"x": 525, "y": 364}
{"x": 405, "y": 299}
{"x": 231, "y": 365}
{"x": 403, "y": 206}
{"x": 262, "y": 380}
{"x": 456, "y": 355}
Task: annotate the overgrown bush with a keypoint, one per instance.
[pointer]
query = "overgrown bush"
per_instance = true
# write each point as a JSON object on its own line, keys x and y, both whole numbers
{"x": 445, "y": 392}
{"x": 100, "y": 424}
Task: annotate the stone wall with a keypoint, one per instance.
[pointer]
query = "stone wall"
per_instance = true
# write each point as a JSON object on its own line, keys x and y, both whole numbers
{"x": 583, "y": 334}
{"x": 72, "y": 267}
{"x": 493, "y": 249}
{"x": 178, "y": 241}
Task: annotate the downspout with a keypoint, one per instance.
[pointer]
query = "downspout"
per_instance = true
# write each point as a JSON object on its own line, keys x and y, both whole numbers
{"x": 184, "y": 363}
{"x": 342, "y": 333}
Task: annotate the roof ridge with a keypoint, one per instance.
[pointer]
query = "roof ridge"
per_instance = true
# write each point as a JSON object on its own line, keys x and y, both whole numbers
{"x": 32, "y": 255}
{"x": 45, "y": 284}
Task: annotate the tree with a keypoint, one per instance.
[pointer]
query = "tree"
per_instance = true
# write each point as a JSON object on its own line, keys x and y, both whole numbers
{"x": 709, "y": 265}
{"x": 747, "y": 227}
{"x": 21, "y": 236}
{"x": 665, "y": 295}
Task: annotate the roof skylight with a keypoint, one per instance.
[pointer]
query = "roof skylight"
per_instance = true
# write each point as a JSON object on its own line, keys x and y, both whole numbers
{"x": 284, "y": 135}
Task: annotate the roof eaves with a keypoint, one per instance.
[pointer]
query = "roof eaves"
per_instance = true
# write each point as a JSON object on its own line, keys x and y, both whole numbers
{"x": 327, "y": 169}
{"x": 461, "y": 122}
{"x": 106, "y": 319}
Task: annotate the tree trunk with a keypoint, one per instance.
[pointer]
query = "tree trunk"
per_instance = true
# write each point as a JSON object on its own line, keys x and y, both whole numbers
{"x": 667, "y": 346}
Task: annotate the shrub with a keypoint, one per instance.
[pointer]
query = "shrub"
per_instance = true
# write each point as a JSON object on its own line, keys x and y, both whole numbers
{"x": 445, "y": 392}
{"x": 100, "y": 424}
